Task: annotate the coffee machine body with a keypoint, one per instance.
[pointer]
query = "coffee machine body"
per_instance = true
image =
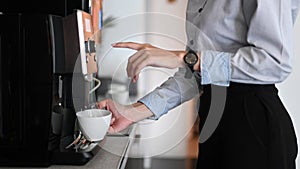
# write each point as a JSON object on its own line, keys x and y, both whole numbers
{"x": 26, "y": 90}
{"x": 37, "y": 112}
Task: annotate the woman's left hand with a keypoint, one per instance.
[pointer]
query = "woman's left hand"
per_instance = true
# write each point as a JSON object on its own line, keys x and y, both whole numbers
{"x": 148, "y": 55}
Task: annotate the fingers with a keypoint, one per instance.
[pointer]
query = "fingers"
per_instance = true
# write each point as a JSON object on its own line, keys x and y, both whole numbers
{"x": 141, "y": 63}
{"x": 114, "y": 129}
{"x": 132, "y": 67}
{"x": 102, "y": 104}
{"x": 135, "y": 78}
{"x": 112, "y": 120}
{"x": 133, "y": 45}
{"x": 111, "y": 130}
{"x": 130, "y": 45}
{"x": 137, "y": 61}
{"x": 132, "y": 61}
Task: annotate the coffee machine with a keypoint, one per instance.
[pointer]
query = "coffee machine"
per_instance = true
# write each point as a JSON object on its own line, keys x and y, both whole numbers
{"x": 42, "y": 83}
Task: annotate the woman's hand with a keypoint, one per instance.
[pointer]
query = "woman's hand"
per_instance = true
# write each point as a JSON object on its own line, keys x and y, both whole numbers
{"x": 118, "y": 121}
{"x": 123, "y": 116}
{"x": 148, "y": 55}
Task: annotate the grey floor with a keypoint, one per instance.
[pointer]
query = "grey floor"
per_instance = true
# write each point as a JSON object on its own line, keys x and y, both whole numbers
{"x": 159, "y": 163}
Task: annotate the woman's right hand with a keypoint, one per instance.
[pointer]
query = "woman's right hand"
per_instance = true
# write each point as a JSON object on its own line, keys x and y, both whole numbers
{"x": 124, "y": 115}
{"x": 118, "y": 122}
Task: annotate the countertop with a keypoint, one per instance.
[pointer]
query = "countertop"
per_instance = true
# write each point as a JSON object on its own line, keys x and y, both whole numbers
{"x": 112, "y": 154}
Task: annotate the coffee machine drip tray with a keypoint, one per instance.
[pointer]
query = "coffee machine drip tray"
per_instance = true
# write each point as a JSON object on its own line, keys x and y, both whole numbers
{"x": 76, "y": 152}
{"x": 72, "y": 157}
{"x": 81, "y": 144}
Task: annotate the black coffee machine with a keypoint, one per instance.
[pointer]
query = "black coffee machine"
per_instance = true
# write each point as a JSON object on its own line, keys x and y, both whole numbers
{"x": 37, "y": 82}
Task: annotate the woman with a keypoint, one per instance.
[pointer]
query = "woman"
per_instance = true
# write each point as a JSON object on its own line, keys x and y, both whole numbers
{"x": 244, "y": 45}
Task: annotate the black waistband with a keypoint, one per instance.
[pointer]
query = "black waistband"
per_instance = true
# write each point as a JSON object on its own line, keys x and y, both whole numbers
{"x": 249, "y": 88}
{"x": 244, "y": 88}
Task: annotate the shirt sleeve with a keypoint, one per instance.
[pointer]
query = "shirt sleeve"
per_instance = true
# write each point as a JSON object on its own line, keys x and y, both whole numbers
{"x": 267, "y": 56}
{"x": 215, "y": 68}
{"x": 176, "y": 90}
{"x": 295, "y": 9}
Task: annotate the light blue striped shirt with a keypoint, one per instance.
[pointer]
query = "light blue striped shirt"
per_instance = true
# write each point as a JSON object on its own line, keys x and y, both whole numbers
{"x": 246, "y": 41}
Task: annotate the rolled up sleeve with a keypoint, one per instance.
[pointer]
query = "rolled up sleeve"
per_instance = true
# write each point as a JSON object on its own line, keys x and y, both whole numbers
{"x": 171, "y": 93}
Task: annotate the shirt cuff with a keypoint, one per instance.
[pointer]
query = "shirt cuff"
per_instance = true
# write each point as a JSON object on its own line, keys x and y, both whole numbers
{"x": 215, "y": 68}
{"x": 155, "y": 104}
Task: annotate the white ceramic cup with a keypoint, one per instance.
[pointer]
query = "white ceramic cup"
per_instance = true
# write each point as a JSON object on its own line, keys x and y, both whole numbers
{"x": 94, "y": 123}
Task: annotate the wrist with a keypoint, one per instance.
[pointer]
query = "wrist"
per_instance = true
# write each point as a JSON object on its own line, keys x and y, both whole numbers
{"x": 137, "y": 112}
{"x": 180, "y": 55}
{"x": 192, "y": 60}
{"x": 197, "y": 65}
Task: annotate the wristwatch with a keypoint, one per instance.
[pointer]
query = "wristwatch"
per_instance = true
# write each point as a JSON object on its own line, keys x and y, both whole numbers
{"x": 190, "y": 59}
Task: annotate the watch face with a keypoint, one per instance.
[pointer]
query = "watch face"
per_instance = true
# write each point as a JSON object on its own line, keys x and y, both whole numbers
{"x": 191, "y": 58}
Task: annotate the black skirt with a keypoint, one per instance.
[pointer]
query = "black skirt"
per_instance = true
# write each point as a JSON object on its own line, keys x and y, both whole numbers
{"x": 251, "y": 129}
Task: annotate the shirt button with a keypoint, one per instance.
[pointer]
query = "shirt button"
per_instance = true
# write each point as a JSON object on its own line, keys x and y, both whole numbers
{"x": 192, "y": 42}
{"x": 200, "y": 10}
